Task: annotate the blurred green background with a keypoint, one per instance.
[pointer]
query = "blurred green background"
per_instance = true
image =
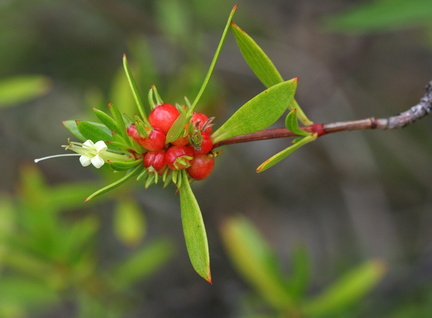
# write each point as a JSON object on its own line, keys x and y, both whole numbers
{"x": 347, "y": 198}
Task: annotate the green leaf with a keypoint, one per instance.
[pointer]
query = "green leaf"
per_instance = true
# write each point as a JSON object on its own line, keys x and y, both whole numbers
{"x": 71, "y": 125}
{"x": 194, "y": 230}
{"x": 383, "y": 15}
{"x": 135, "y": 91}
{"x": 213, "y": 62}
{"x": 300, "y": 114}
{"x": 262, "y": 66}
{"x": 94, "y": 131}
{"x": 124, "y": 165}
{"x": 258, "y": 113}
{"x": 141, "y": 263}
{"x": 20, "y": 89}
{"x": 255, "y": 261}
{"x": 177, "y": 127}
{"x": 291, "y": 123}
{"x": 347, "y": 290}
{"x": 120, "y": 122}
{"x": 106, "y": 120}
{"x": 255, "y": 57}
{"x": 115, "y": 184}
{"x": 285, "y": 153}
{"x": 129, "y": 222}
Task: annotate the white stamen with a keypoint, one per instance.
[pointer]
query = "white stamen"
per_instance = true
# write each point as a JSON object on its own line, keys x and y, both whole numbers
{"x": 56, "y": 156}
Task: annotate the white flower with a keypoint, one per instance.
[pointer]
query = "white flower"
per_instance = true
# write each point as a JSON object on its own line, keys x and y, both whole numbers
{"x": 90, "y": 153}
{"x": 94, "y": 155}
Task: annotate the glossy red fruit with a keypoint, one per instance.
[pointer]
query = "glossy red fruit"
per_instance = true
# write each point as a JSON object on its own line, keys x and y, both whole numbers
{"x": 155, "y": 160}
{"x": 155, "y": 141}
{"x": 201, "y": 167}
{"x": 163, "y": 116}
{"x": 179, "y": 157}
{"x": 200, "y": 120}
{"x": 181, "y": 141}
{"x": 133, "y": 132}
{"x": 205, "y": 147}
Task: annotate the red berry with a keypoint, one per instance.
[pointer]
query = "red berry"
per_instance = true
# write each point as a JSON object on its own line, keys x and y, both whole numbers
{"x": 156, "y": 160}
{"x": 163, "y": 116}
{"x": 201, "y": 167}
{"x": 155, "y": 141}
{"x": 178, "y": 157}
{"x": 133, "y": 132}
{"x": 181, "y": 141}
{"x": 205, "y": 147}
{"x": 200, "y": 121}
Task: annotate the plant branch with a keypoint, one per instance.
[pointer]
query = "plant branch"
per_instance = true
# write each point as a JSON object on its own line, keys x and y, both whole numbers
{"x": 423, "y": 108}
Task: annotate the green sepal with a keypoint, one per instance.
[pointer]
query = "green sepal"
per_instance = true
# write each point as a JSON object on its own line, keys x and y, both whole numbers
{"x": 262, "y": 66}
{"x": 346, "y": 291}
{"x": 119, "y": 120}
{"x": 177, "y": 127}
{"x": 134, "y": 89}
{"x": 124, "y": 165}
{"x": 71, "y": 125}
{"x": 94, "y": 131}
{"x": 258, "y": 113}
{"x": 115, "y": 184}
{"x": 286, "y": 152}
{"x": 107, "y": 120}
{"x": 154, "y": 98}
{"x": 194, "y": 230}
{"x": 291, "y": 123}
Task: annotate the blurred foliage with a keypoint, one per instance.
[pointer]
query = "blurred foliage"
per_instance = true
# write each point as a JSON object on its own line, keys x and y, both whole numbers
{"x": 78, "y": 45}
{"x": 49, "y": 257}
{"x": 257, "y": 263}
{"x": 20, "y": 89}
{"x": 384, "y": 15}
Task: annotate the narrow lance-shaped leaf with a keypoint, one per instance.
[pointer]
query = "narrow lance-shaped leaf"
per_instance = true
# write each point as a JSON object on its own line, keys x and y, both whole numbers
{"x": 194, "y": 230}
{"x": 71, "y": 125}
{"x": 285, "y": 153}
{"x": 213, "y": 62}
{"x": 258, "y": 113}
{"x": 94, "y": 131}
{"x": 291, "y": 123}
{"x": 120, "y": 123}
{"x": 106, "y": 120}
{"x": 115, "y": 184}
{"x": 135, "y": 91}
{"x": 177, "y": 127}
{"x": 255, "y": 57}
{"x": 262, "y": 66}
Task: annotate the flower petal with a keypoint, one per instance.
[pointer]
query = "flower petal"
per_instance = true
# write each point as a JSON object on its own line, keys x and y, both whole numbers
{"x": 100, "y": 146}
{"x": 88, "y": 144}
{"x": 85, "y": 161}
{"x": 97, "y": 161}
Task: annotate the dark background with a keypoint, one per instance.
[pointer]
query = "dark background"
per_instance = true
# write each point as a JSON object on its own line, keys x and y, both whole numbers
{"x": 348, "y": 197}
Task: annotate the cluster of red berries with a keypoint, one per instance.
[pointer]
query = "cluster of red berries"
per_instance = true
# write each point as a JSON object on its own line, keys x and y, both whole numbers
{"x": 191, "y": 151}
